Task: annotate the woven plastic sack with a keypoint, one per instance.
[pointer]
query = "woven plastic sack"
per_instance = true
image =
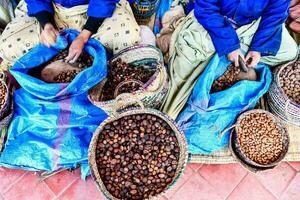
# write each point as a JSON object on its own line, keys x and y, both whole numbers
{"x": 206, "y": 116}
{"x": 53, "y": 123}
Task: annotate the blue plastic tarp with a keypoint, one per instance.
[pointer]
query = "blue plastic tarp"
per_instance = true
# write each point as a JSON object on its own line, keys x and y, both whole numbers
{"x": 206, "y": 115}
{"x": 53, "y": 123}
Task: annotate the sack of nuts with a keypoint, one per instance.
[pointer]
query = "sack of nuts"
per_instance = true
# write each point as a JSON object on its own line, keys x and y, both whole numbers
{"x": 137, "y": 155}
{"x": 138, "y": 71}
{"x": 231, "y": 77}
{"x": 284, "y": 93}
{"x": 58, "y": 71}
{"x": 259, "y": 139}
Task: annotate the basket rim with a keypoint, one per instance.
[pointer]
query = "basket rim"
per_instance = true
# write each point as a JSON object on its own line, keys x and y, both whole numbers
{"x": 6, "y": 95}
{"x": 277, "y": 122}
{"x": 182, "y": 143}
{"x": 160, "y": 69}
{"x": 278, "y": 71}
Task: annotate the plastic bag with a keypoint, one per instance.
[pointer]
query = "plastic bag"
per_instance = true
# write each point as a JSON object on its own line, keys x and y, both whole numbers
{"x": 53, "y": 122}
{"x": 206, "y": 116}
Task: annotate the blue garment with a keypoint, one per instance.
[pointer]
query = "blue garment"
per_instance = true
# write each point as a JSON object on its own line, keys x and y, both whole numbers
{"x": 213, "y": 15}
{"x": 97, "y": 8}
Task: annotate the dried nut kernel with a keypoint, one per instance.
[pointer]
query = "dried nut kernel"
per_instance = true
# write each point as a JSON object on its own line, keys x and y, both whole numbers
{"x": 119, "y": 71}
{"x": 289, "y": 79}
{"x": 260, "y": 138}
{"x": 227, "y": 80}
{"x": 140, "y": 166}
{"x": 3, "y": 95}
{"x": 84, "y": 61}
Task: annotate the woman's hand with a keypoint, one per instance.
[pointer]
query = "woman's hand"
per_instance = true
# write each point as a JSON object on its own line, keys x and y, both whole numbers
{"x": 48, "y": 35}
{"x": 234, "y": 57}
{"x": 253, "y": 58}
{"x": 77, "y": 46}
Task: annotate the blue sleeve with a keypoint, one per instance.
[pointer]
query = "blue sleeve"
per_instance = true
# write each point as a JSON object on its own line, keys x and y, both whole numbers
{"x": 36, "y": 6}
{"x": 223, "y": 35}
{"x": 267, "y": 39}
{"x": 101, "y": 8}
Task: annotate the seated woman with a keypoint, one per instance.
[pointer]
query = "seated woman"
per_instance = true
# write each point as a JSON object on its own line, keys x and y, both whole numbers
{"x": 109, "y": 21}
{"x": 227, "y": 27}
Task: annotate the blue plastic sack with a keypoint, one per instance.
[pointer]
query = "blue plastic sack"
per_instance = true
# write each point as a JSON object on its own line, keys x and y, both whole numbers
{"x": 207, "y": 115}
{"x": 164, "y": 6}
{"x": 53, "y": 123}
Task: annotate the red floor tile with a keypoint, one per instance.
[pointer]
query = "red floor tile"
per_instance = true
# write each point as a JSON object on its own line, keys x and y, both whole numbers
{"x": 250, "y": 188}
{"x": 8, "y": 177}
{"x": 195, "y": 166}
{"x": 224, "y": 178}
{"x": 278, "y": 179}
{"x": 29, "y": 188}
{"x": 57, "y": 183}
{"x": 293, "y": 190}
{"x": 196, "y": 188}
{"x": 295, "y": 165}
{"x": 188, "y": 173}
{"x": 82, "y": 190}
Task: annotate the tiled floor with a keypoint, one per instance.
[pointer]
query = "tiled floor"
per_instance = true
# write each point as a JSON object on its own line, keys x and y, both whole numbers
{"x": 199, "y": 182}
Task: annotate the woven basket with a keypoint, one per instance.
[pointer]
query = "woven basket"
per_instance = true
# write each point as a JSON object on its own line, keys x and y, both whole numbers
{"x": 144, "y": 9}
{"x": 253, "y": 169}
{"x": 236, "y": 146}
{"x": 287, "y": 110}
{"x": 153, "y": 91}
{"x": 178, "y": 133}
{"x": 6, "y": 106}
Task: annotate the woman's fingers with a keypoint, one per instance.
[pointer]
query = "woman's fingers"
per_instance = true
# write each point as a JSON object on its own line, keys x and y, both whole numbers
{"x": 75, "y": 58}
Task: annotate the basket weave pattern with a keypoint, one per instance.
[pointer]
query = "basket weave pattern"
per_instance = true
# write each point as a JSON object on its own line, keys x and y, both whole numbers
{"x": 183, "y": 156}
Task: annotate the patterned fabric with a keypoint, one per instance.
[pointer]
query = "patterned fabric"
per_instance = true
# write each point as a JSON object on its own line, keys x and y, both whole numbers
{"x": 23, "y": 32}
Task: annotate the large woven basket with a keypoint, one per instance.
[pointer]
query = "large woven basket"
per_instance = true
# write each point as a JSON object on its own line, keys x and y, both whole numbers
{"x": 153, "y": 91}
{"x": 183, "y": 157}
{"x": 279, "y": 103}
{"x": 236, "y": 145}
{"x": 6, "y": 106}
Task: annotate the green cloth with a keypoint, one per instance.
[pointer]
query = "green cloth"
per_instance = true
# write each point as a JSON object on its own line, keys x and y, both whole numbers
{"x": 191, "y": 49}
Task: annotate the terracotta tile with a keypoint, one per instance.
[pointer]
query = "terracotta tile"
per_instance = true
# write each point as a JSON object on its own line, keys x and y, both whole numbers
{"x": 277, "y": 180}
{"x": 187, "y": 174}
{"x": 196, "y": 188}
{"x": 250, "y": 188}
{"x": 295, "y": 165}
{"x": 28, "y": 188}
{"x": 8, "y": 177}
{"x": 82, "y": 190}
{"x": 224, "y": 178}
{"x": 195, "y": 166}
{"x": 292, "y": 191}
{"x": 60, "y": 181}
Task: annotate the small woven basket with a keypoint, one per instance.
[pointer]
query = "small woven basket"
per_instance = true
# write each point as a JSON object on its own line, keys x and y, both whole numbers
{"x": 144, "y": 9}
{"x": 152, "y": 93}
{"x": 6, "y": 106}
{"x": 280, "y": 105}
{"x": 237, "y": 148}
{"x": 183, "y": 156}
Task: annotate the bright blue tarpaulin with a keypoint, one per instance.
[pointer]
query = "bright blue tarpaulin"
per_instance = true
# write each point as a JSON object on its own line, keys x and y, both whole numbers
{"x": 206, "y": 115}
{"x": 53, "y": 123}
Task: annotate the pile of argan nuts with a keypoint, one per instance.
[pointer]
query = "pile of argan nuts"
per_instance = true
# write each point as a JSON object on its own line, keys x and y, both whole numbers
{"x": 66, "y": 76}
{"x": 290, "y": 81}
{"x": 260, "y": 138}
{"x": 137, "y": 156}
{"x": 84, "y": 61}
{"x": 119, "y": 71}
{"x": 227, "y": 80}
{"x": 3, "y": 95}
